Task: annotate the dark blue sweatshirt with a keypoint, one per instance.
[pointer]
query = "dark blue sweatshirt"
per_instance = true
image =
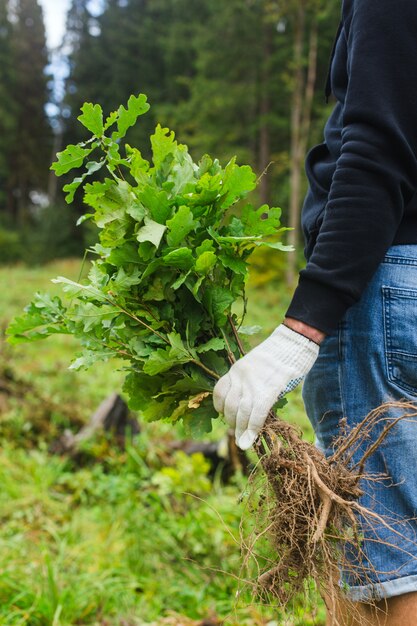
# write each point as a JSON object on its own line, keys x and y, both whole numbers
{"x": 362, "y": 194}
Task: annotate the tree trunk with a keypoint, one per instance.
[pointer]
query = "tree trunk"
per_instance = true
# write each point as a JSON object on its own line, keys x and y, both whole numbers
{"x": 296, "y": 123}
{"x": 300, "y": 127}
{"x": 264, "y": 111}
{"x": 52, "y": 178}
{"x": 310, "y": 84}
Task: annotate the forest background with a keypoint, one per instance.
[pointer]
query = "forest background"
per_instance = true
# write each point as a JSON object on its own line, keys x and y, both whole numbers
{"x": 113, "y": 537}
{"x": 242, "y": 77}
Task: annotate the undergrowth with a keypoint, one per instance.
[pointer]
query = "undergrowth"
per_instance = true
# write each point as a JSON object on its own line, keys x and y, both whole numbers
{"x": 138, "y": 536}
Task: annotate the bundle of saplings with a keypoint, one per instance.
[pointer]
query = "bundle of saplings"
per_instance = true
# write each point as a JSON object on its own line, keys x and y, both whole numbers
{"x": 165, "y": 294}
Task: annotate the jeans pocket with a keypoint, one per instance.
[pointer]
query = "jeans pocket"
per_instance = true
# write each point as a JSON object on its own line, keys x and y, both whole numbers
{"x": 400, "y": 321}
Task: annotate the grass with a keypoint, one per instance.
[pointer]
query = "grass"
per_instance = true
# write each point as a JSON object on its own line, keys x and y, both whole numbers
{"x": 132, "y": 536}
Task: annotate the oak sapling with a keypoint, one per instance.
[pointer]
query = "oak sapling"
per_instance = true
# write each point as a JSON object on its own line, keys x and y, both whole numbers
{"x": 171, "y": 261}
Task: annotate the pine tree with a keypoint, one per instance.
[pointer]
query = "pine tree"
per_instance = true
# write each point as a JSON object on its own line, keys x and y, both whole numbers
{"x": 83, "y": 76}
{"x": 235, "y": 103}
{"x": 31, "y": 150}
{"x": 8, "y": 120}
{"x": 132, "y": 46}
{"x": 217, "y": 113}
{"x": 306, "y": 21}
{"x": 111, "y": 57}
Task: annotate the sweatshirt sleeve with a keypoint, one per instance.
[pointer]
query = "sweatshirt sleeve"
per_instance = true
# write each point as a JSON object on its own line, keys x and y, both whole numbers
{"x": 376, "y": 172}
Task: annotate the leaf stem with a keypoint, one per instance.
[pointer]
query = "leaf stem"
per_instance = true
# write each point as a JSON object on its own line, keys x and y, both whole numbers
{"x": 236, "y": 335}
{"x": 206, "y": 369}
{"x": 137, "y": 319}
{"x": 230, "y": 354}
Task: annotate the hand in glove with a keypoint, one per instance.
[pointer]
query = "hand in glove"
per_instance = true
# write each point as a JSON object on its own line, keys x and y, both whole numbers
{"x": 246, "y": 394}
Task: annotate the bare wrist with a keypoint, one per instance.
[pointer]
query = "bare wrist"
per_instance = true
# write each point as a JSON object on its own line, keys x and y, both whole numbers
{"x": 310, "y": 332}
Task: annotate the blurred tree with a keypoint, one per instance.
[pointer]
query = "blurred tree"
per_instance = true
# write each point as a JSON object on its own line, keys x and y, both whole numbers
{"x": 113, "y": 56}
{"x": 84, "y": 80}
{"x": 305, "y": 17}
{"x": 252, "y": 91}
{"x": 7, "y": 106}
{"x": 29, "y": 152}
{"x": 216, "y": 109}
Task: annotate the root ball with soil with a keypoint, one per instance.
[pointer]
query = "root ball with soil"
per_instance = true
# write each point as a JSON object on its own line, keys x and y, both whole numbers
{"x": 308, "y": 508}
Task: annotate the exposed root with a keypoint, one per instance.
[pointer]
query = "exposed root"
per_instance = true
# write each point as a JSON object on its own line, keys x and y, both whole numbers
{"x": 309, "y": 510}
{"x": 326, "y": 507}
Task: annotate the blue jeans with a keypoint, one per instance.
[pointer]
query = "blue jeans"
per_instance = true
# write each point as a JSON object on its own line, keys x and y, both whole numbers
{"x": 372, "y": 359}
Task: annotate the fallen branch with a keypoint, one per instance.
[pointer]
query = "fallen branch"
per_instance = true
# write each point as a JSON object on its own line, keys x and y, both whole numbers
{"x": 111, "y": 416}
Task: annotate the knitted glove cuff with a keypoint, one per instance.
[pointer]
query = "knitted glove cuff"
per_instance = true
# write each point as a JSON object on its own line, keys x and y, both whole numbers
{"x": 293, "y": 349}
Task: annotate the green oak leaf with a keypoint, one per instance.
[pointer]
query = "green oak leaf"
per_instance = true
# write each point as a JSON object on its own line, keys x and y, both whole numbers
{"x": 238, "y": 182}
{"x": 156, "y": 290}
{"x": 136, "y": 106}
{"x": 146, "y": 251}
{"x": 277, "y": 245}
{"x": 141, "y": 388}
{"x": 181, "y": 224}
{"x": 206, "y": 246}
{"x": 156, "y": 202}
{"x": 181, "y": 258}
{"x": 92, "y": 118}
{"x": 187, "y": 385}
{"x": 152, "y": 267}
{"x": 114, "y": 233}
{"x": 44, "y": 316}
{"x": 182, "y": 172}
{"x": 91, "y": 316}
{"x": 110, "y": 120}
{"x": 163, "y": 360}
{"x": 205, "y": 262}
{"x": 137, "y": 211}
{"x": 215, "y": 344}
{"x": 91, "y": 357}
{"x": 218, "y": 301}
{"x": 152, "y": 231}
{"x": 180, "y": 280}
{"x": 176, "y": 342}
{"x": 199, "y": 421}
{"x": 232, "y": 239}
{"x": 71, "y": 188}
{"x": 163, "y": 143}
{"x": 124, "y": 279}
{"x": 74, "y": 289}
{"x": 139, "y": 166}
{"x": 158, "y": 410}
{"x": 127, "y": 253}
{"x": 112, "y": 202}
{"x": 234, "y": 263}
{"x": 98, "y": 276}
{"x": 139, "y": 348}
{"x": 262, "y": 221}
{"x": 72, "y": 157}
{"x": 236, "y": 228}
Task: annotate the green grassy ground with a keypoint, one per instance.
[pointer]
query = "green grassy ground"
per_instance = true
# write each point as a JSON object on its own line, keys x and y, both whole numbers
{"x": 127, "y": 537}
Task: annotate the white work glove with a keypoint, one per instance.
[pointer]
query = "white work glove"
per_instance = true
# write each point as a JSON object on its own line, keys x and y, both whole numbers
{"x": 249, "y": 390}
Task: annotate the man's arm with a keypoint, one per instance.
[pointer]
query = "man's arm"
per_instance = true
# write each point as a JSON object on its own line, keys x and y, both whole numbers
{"x": 375, "y": 181}
{"x": 304, "y": 329}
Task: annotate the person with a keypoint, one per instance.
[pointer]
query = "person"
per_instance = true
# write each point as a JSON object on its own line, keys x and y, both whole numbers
{"x": 350, "y": 331}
